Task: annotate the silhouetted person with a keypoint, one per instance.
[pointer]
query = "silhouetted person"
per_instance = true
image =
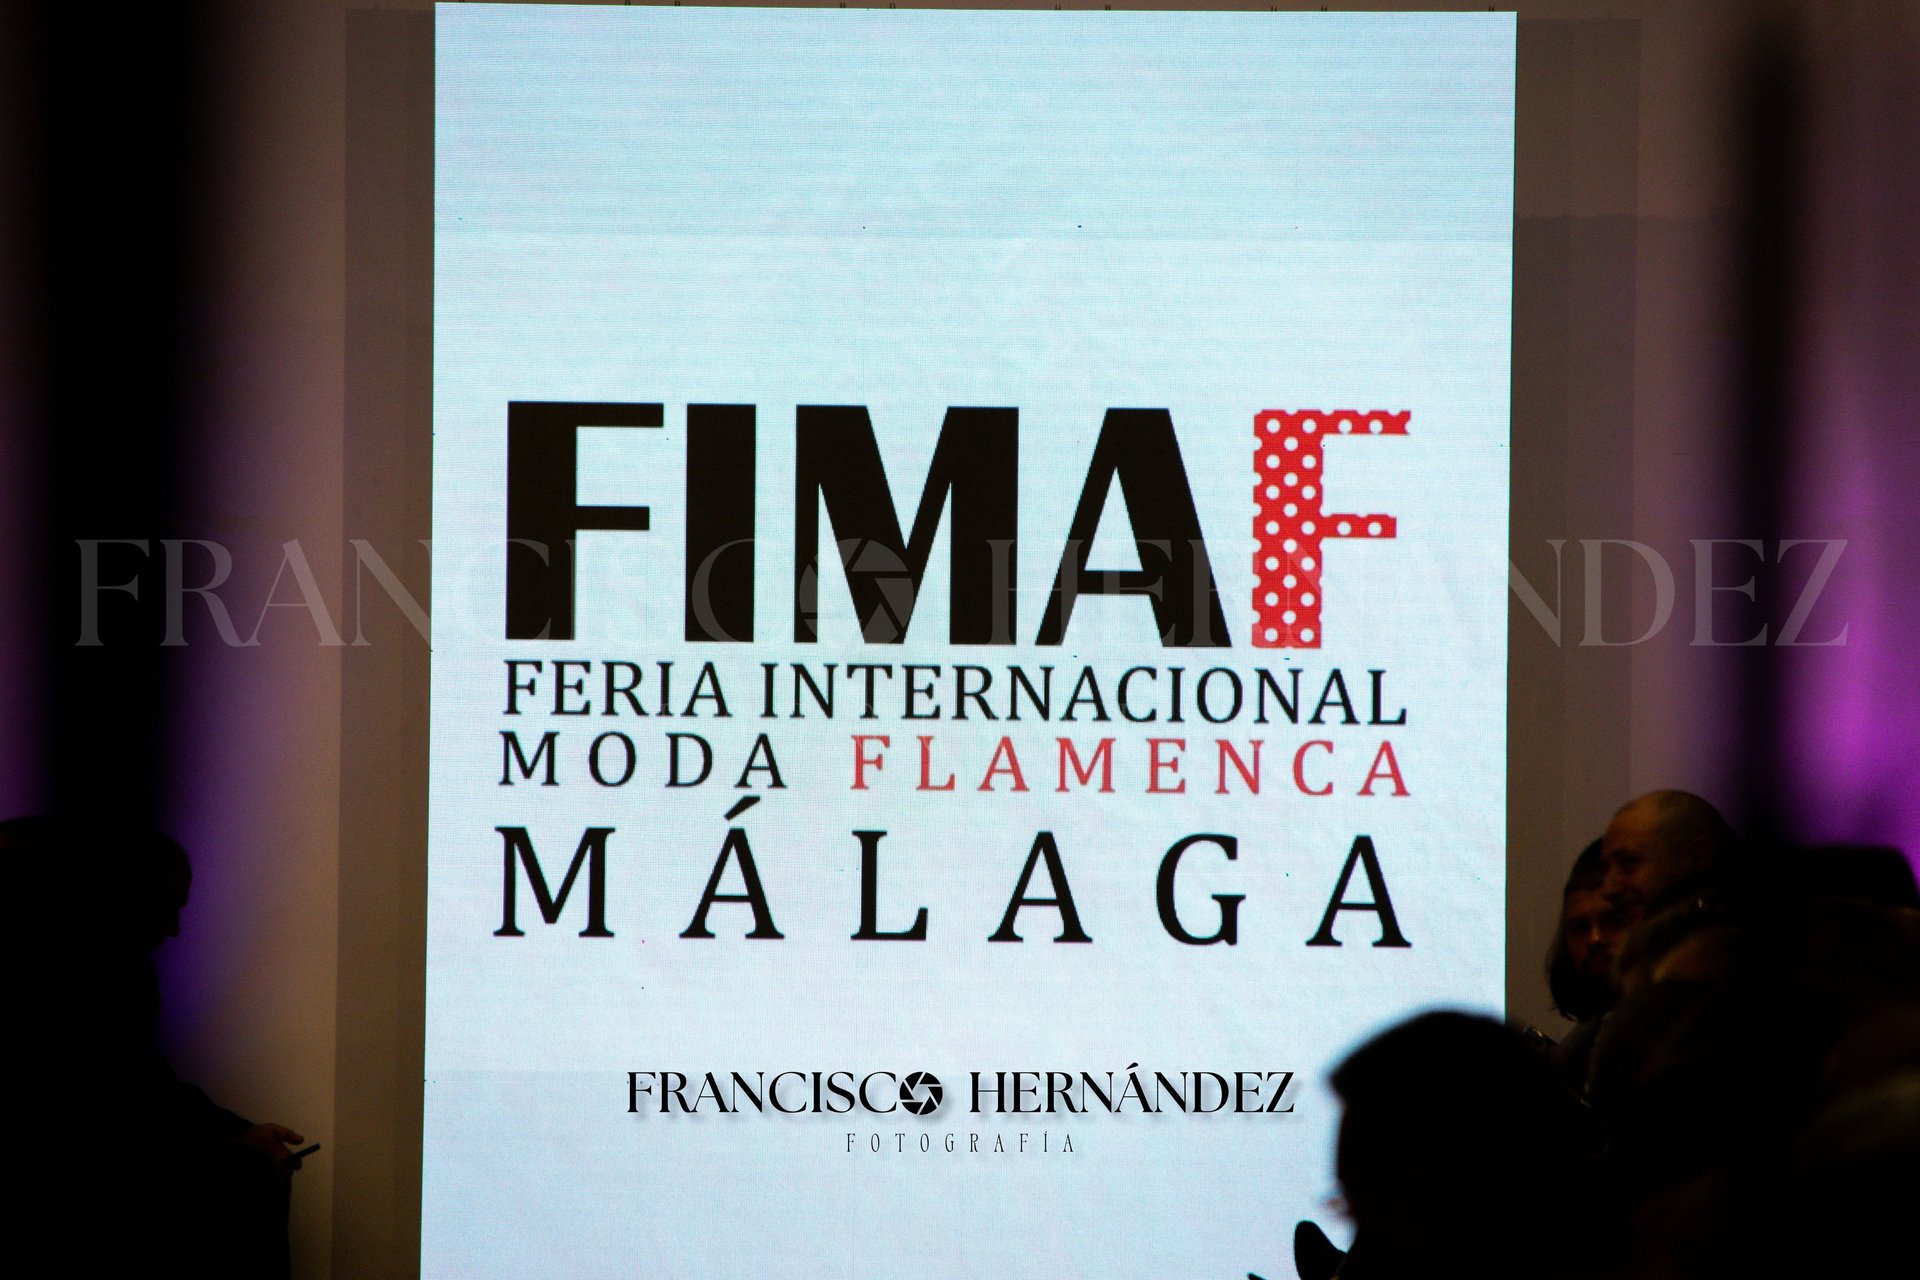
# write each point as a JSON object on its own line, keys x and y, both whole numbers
{"x": 1751, "y": 1026}
{"x": 187, "y": 1187}
{"x": 1460, "y": 1155}
{"x": 1877, "y": 874}
{"x": 1580, "y": 963}
{"x": 1580, "y": 958}
{"x": 1660, "y": 848}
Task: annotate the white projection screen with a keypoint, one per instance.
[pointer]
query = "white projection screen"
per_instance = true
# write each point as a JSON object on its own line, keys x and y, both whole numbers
{"x": 969, "y": 650}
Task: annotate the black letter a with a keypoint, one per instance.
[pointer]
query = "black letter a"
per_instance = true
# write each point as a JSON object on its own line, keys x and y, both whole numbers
{"x": 1361, "y": 854}
{"x": 1138, "y": 447}
{"x": 1070, "y": 930}
{"x": 756, "y": 897}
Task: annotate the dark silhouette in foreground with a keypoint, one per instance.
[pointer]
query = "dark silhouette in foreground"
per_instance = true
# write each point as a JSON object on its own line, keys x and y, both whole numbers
{"x": 184, "y": 1186}
{"x": 1752, "y": 1108}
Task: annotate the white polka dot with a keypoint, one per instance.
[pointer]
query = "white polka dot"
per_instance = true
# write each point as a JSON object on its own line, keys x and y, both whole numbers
{"x": 1374, "y": 426}
{"x": 1309, "y": 462}
{"x": 1273, "y": 597}
{"x": 1289, "y": 545}
{"x": 1310, "y": 425}
{"x": 1292, "y": 509}
{"x": 1346, "y": 425}
{"x": 1307, "y": 492}
{"x": 1307, "y": 599}
{"x": 1307, "y": 563}
{"x": 1374, "y": 528}
{"x": 1272, "y": 634}
{"x": 1290, "y": 478}
{"x": 1344, "y": 528}
{"x": 1273, "y": 562}
{"x": 1273, "y": 491}
{"x": 1273, "y": 526}
{"x": 1273, "y": 460}
{"x": 1289, "y": 582}
{"x": 1288, "y": 617}
{"x": 1307, "y": 634}
{"x": 1273, "y": 425}
{"x": 1307, "y": 527}
{"x": 1292, "y": 443}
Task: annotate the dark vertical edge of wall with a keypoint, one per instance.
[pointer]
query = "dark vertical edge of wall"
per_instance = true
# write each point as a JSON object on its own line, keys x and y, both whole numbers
{"x": 116, "y": 198}
{"x": 1765, "y": 397}
{"x": 25, "y": 570}
{"x": 1576, "y": 134}
{"x": 383, "y": 783}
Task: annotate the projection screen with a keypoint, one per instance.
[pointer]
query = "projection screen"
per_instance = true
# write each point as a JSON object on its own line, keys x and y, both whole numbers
{"x": 969, "y": 636}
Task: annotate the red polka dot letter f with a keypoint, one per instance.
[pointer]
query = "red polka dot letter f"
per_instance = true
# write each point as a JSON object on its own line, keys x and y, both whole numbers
{"x": 1289, "y": 522}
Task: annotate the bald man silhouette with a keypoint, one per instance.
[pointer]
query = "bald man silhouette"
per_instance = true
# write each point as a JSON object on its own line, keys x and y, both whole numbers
{"x": 1658, "y": 849}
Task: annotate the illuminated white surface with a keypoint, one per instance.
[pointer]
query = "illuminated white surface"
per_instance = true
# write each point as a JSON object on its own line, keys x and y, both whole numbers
{"x": 1211, "y": 213}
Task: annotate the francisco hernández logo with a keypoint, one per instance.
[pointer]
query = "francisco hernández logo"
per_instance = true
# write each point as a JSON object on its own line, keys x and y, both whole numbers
{"x": 920, "y": 1093}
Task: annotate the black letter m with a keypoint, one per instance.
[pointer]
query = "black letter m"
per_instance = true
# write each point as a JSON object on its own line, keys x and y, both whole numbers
{"x": 518, "y": 847}
{"x": 976, "y": 461}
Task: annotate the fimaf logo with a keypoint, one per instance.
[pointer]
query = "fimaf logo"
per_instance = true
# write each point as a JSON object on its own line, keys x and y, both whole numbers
{"x": 972, "y": 485}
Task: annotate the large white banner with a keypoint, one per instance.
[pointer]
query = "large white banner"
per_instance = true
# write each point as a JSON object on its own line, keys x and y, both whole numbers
{"x": 969, "y": 635}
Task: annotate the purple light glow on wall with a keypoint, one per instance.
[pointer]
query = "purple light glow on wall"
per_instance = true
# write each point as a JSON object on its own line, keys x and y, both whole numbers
{"x": 1853, "y": 710}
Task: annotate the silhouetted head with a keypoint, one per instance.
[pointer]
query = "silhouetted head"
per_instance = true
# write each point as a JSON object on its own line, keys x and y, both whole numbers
{"x": 136, "y": 880}
{"x": 1459, "y": 1152}
{"x": 1580, "y": 958}
{"x": 1879, "y": 874}
{"x": 1659, "y": 847}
